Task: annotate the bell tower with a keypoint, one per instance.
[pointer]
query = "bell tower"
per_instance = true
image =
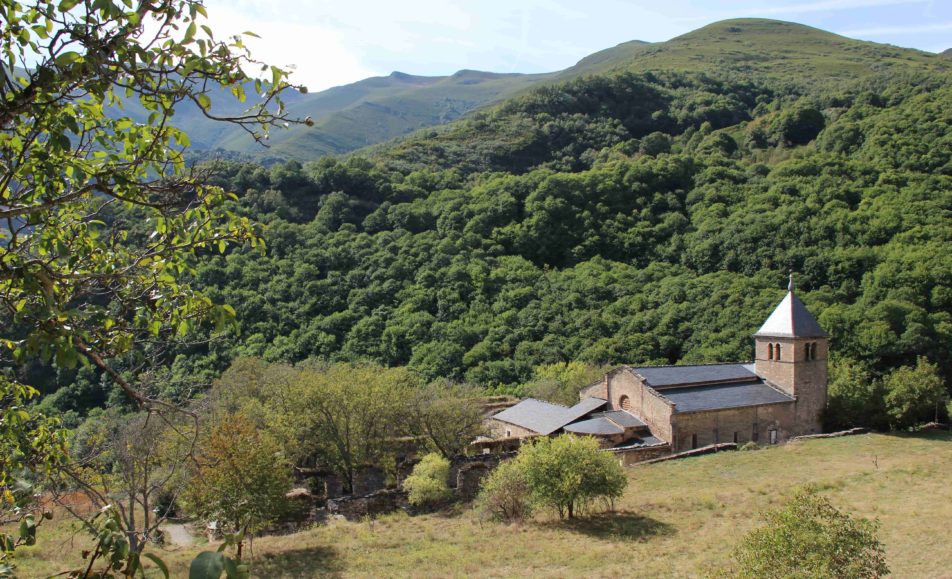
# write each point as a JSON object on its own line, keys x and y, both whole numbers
{"x": 790, "y": 352}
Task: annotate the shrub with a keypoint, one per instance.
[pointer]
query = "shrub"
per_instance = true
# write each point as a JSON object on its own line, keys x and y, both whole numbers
{"x": 749, "y": 445}
{"x": 568, "y": 472}
{"x": 426, "y": 485}
{"x": 808, "y": 537}
{"x": 504, "y": 494}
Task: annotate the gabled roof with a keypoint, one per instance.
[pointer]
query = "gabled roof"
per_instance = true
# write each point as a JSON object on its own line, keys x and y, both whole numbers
{"x": 660, "y": 376}
{"x": 720, "y": 396}
{"x": 545, "y": 417}
{"x": 791, "y": 319}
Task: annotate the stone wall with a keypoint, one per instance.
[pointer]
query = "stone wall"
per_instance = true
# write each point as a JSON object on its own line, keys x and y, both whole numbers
{"x": 719, "y": 426}
{"x": 469, "y": 477}
{"x": 651, "y": 408}
{"x": 501, "y": 429}
{"x": 636, "y": 454}
{"x": 376, "y": 503}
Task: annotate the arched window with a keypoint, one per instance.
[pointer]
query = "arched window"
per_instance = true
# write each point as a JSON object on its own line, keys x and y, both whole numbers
{"x": 813, "y": 351}
{"x": 777, "y": 351}
{"x": 624, "y": 402}
{"x": 770, "y": 351}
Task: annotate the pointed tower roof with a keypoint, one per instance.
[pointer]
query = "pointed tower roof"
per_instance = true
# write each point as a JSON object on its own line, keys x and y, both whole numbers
{"x": 791, "y": 319}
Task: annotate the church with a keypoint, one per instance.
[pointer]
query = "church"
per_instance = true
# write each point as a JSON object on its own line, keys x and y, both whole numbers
{"x": 780, "y": 395}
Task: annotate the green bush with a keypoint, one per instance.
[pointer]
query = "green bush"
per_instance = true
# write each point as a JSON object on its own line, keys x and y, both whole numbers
{"x": 426, "y": 485}
{"x": 504, "y": 494}
{"x": 749, "y": 445}
{"x": 568, "y": 472}
{"x": 810, "y": 538}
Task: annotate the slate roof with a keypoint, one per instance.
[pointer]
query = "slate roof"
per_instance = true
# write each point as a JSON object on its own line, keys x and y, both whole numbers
{"x": 598, "y": 426}
{"x": 660, "y": 376}
{"x": 719, "y": 396}
{"x": 791, "y": 319}
{"x": 544, "y": 417}
{"x": 621, "y": 418}
{"x": 647, "y": 440}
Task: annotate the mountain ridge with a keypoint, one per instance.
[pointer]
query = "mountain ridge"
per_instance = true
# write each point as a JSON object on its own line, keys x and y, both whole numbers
{"x": 378, "y": 109}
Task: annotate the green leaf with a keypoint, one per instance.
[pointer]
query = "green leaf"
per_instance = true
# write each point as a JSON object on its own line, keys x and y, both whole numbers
{"x": 160, "y": 564}
{"x": 207, "y": 565}
{"x": 68, "y": 58}
{"x": 67, "y": 5}
{"x": 233, "y": 570}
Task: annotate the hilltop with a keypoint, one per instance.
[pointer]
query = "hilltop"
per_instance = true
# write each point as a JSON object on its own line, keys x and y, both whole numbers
{"x": 773, "y": 48}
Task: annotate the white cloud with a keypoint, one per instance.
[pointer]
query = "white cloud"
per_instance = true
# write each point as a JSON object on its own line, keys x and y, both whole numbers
{"x": 317, "y": 52}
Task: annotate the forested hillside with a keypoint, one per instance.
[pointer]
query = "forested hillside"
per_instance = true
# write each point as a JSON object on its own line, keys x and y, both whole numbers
{"x": 626, "y": 217}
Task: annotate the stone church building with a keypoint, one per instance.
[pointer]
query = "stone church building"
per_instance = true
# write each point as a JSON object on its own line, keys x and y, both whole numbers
{"x": 780, "y": 395}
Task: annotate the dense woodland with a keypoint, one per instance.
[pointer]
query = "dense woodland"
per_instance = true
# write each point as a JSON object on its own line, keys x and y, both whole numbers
{"x": 623, "y": 218}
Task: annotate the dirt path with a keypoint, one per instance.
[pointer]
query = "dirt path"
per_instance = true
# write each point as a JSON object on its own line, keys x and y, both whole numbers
{"x": 177, "y": 534}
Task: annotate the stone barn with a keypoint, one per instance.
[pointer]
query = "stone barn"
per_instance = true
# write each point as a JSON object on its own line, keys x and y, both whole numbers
{"x": 780, "y": 395}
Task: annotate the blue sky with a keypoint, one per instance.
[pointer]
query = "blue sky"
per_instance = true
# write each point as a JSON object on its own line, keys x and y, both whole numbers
{"x": 341, "y": 41}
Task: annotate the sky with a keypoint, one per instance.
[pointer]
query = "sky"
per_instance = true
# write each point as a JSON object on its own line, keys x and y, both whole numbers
{"x": 334, "y": 42}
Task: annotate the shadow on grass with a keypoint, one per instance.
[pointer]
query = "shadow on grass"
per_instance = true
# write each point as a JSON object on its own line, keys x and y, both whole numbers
{"x": 298, "y": 563}
{"x": 617, "y": 525}
{"x": 925, "y": 433}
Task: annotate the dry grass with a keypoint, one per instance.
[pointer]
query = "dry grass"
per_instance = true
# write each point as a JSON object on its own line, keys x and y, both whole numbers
{"x": 677, "y": 519}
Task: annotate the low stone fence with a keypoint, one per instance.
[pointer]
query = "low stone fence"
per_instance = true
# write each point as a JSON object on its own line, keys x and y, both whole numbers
{"x": 709, "y": 449}
{"x": 375, "y": 503}
{"x": 850, "y": 432}
{"x": 642, "y": 453}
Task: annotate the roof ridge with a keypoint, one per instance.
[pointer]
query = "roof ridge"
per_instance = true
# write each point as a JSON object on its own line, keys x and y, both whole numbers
{"x": 629, "y": 366}
{"x": 545, "y": 402}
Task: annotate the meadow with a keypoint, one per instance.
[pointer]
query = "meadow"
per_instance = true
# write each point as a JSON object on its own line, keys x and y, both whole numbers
{"x": 676, "y": 519}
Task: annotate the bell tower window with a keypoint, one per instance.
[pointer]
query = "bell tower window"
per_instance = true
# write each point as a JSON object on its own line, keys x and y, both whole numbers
{"x": 770, "y": 351}
{"x": 777, "y": 351}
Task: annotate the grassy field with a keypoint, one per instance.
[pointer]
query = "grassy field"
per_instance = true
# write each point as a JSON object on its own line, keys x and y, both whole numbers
{"x": 677, "y": 519}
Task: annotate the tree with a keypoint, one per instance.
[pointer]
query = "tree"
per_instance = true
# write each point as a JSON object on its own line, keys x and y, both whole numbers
{"x": 72, "y": 278}
{"x": 31, "y": 447}
{"x": 447, "y": 417}
{"x": 568, "y": 472}
{"x": 856, "y": 397}
{"x": 341, "y": 415}
{"x": 427, "y": 484}
{"x": 505, "y": 495}
{"x": 101, "y": 217}
{"x": 126, "y": 462}
{"x": 799, "y": 125}
{"x": 242, "y": 479}
{"x": 914, "y": 394}
{"x": 561, "y": 382}
{"x": 810, "y": 538}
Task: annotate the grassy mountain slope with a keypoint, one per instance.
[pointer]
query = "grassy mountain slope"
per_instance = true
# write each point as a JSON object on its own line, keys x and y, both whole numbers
{"x": 378, "y": 109}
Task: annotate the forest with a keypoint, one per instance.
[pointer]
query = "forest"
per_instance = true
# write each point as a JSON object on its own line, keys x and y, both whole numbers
{"x": 629, "y": 218}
